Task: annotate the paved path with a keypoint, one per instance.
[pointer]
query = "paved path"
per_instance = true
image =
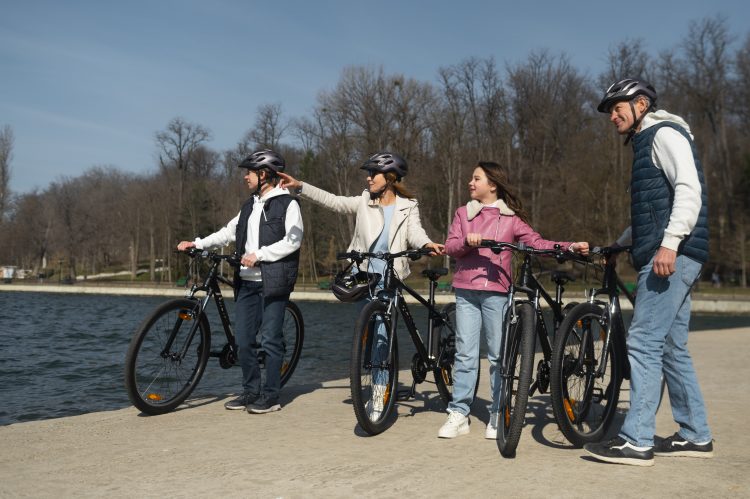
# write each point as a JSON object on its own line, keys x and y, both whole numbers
{"x": 313, "y": 448}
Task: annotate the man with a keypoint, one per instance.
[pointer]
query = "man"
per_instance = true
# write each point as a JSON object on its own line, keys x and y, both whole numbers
{"x": 268, "y": 234}
{"x": 669, "y": 237}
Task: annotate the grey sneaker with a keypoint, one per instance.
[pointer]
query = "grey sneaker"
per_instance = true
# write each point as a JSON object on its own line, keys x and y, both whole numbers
{"x": 677, "y": 446}
{"x": 241, "y": 402}
{"x": 264, "y": 405}
{"x": 620, "y": 451}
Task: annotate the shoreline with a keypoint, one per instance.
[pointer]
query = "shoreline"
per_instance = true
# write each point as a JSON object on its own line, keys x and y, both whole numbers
{"x": 701, "y": 302}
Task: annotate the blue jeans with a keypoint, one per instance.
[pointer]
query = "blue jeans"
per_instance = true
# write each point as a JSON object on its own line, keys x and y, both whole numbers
{"x": 476, "y": 311}
{"x": 255, "y": 313}
{"x": 657, "y": 342}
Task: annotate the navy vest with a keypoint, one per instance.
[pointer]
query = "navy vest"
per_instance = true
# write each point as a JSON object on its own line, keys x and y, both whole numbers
{"x": 651, "y": 200}
{"x": 278, "y": 277}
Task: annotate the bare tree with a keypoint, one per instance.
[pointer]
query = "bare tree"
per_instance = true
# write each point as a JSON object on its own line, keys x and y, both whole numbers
{"x": 6, "y": 155}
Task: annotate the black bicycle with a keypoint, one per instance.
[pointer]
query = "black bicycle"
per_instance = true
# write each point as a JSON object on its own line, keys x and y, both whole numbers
{"x": 523, "y": 324}
{"x": 169, "y": 351}
{"x": 373, "y": 368}
{"x": 589, "y": 359}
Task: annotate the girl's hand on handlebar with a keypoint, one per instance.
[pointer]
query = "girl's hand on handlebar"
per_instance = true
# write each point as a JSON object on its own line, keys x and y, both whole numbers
{"x": 185, "y": 245}
{"x": 289, "y": 182}
{"x": 437, "y": 249}
{"x": 582, "y": 248}
{"x": 474, "y": 239}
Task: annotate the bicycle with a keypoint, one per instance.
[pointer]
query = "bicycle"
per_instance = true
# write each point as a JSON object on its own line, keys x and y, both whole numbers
{"x": 170, "y": 349}
{"x": 590, "y": 361}
{"x": 523, "y": 323}
{"x": 373, "y": 368}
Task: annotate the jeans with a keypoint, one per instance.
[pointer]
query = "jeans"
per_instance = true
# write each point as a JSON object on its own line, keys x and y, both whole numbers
{"x": 476, "y": 311}
{"x": 657, "y": 342}
{"x": 255, "y": 313}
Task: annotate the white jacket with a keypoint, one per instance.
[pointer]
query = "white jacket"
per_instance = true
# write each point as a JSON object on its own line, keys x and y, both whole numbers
{"x": 405, "y": 232}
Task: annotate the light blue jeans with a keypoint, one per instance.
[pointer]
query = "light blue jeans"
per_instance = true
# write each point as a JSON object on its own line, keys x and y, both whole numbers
{"x": 657, "y": 342}
{"x": 476, "y": 311}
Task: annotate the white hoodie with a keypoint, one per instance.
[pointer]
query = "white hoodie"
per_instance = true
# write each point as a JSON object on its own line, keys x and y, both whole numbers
{"x": 672, "y": 154}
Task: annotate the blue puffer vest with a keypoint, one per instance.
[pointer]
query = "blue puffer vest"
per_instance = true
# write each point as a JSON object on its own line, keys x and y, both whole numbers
{"x": 278, "y": 277}
{"x": 651, "y": 200}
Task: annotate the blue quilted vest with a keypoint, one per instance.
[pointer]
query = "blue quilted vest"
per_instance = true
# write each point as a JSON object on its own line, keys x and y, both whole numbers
{"x": 651, "y": 200}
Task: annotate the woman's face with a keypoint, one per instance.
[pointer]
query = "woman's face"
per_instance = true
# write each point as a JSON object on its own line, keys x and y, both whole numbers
{"x": 480, "y": 187}
{"x": 375, "y": 181}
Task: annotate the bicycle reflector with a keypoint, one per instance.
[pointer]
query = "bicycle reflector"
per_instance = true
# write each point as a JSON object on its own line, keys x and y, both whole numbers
{"x": 154, "y": 396}
{"x": 185, "y": 315}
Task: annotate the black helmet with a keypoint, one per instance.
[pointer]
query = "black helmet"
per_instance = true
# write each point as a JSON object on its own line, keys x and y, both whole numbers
{"x": 625, "y": 90}
{"x": 384, "y": 162}
{"x": 349, "y": 287}
{"x": 264, "y": 158}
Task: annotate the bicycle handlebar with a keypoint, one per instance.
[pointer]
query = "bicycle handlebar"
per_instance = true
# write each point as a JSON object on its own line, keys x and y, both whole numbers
{"x": 557, "y": 252}
{"x": 359, "y": 256}
{"x": 231, "y": 259}
{"x": 606, "y": 251}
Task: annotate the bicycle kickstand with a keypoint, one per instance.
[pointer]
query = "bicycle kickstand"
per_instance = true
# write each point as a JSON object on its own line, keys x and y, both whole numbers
{"x": 407, "y": 394}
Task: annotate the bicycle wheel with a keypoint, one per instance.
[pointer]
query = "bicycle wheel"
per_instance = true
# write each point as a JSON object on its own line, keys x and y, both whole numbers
{"x": 167, "y": 356}
{"x": 584, "y": 399}
{"x": 294, "y": 336}
{"x": 518, "y": 364}
{"x": 373, "y": 370}
{"x": 447, "y": 356}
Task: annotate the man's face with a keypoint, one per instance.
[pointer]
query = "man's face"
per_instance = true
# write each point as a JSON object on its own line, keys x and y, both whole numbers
{"x": 621, "y": 114}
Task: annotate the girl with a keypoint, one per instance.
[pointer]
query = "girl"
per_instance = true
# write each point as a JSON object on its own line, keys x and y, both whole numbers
{"x": 481, "y": 280}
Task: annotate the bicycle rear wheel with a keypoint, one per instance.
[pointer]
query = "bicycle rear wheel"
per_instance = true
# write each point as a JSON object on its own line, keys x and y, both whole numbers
{"x": 373, "y": 370}
{"x": 518, "y": 365}
{"x": 294, "y": 336}
{"x": 447, "y": 356}
{"x": 167, "y": 356}
{"x": 584, "y": 400}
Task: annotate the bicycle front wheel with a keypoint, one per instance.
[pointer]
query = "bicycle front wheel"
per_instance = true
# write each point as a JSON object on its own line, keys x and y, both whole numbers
{"x": 373, "y": 369}
{"x": 294, "y": 335}
{"x": 447, "y": 356}
{"x": 518, "y": 365}
{"x": 585, "y": 379}
{"x": 167, "y": 356}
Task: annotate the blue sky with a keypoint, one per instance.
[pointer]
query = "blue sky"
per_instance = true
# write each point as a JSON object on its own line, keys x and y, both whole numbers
{"x": 85, "y": 83}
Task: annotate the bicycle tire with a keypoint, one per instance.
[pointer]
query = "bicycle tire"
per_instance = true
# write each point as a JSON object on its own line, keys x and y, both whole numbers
{"x": 514, "y": 392}
{"x": 294, "y": 337}
{"x": 443, "y": 373}
{"x": 373, "y": 403}
{"x": 584, "y": 405}
{"x": 157, "y": 381}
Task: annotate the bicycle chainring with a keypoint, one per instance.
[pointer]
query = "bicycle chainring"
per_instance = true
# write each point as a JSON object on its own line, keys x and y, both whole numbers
{"x": 542, "y": 376}
{"x": 227, "y": 357}
{"x": 418, "y": 369}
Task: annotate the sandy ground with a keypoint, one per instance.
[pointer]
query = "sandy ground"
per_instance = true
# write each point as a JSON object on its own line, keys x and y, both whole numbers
{"x": 314, "y": 448}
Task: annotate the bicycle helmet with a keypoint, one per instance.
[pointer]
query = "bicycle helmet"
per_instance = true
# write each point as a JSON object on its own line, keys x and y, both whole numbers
{"x": 349, "y": 287}
{"x": 265, "y": 158}
{"x": 625, "y": 90}
{"x": 384, "y": 162}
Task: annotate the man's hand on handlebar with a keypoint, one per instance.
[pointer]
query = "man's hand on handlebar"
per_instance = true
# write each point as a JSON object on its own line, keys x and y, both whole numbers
{"x": 185, "y": 245}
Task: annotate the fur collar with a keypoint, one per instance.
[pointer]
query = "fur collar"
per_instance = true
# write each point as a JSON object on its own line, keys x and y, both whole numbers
{"x": 473, "y": 208}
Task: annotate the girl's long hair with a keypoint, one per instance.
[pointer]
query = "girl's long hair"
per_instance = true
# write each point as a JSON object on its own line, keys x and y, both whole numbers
{"x": 399, "y": 187}
{"x": 497, "y": 175}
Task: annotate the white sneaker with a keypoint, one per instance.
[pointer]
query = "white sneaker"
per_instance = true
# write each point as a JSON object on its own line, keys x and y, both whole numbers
{"x": 457, "y": 424}
{"x": 376, "y": 403}
{"x": 490, "y": 433}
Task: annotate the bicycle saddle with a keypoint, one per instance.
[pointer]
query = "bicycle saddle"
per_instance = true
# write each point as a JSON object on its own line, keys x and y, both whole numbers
{"x": 434, "y": 274}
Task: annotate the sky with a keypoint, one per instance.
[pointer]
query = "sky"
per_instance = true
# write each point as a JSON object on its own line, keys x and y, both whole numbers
{"x": 89, "y": 83}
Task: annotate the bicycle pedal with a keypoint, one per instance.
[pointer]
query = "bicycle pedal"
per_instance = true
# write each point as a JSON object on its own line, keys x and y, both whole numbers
{"x": 404, "y": 394}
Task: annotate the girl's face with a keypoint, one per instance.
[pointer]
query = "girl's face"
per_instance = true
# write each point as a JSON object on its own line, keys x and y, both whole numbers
{"x": 375, "y": 181}
{"x": 480, "y": 187}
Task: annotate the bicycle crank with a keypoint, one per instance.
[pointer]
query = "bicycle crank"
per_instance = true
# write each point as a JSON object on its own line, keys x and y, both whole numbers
{"x": 542, "y": 376}
{"x": 227, "y": 357}
{"x": 418, "y": 369}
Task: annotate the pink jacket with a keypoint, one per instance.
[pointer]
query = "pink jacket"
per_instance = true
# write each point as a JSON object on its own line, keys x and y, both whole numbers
{"x": 480, "y": 268}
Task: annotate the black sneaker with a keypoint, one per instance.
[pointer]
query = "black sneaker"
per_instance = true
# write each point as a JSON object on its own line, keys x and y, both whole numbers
{"x": 620, "y": 451}
{"x": 264, "y": 405}
{"x": 241, "y": 402}
{"x": 679, "y": 447}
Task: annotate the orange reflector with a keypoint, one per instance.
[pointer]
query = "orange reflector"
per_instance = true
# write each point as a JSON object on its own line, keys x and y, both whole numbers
{"x": 284, "y": 367}
{"x": 507, "y": 417}
{"x": 387, "y": 395}
{"x": 185, "y": 316}
{"x": 153, "y": 396}
{"x": 579, "y": 323}
{"x": 568, "y": 403}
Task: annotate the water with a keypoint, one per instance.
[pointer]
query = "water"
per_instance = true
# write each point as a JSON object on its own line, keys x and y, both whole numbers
{"x": 62, "y": 355}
